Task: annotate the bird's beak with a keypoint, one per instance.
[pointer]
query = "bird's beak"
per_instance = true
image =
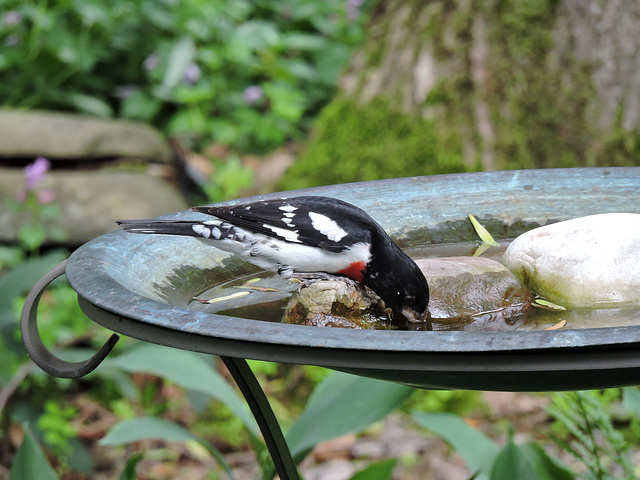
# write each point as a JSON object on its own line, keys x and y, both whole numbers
{"x": 415, "y": 317}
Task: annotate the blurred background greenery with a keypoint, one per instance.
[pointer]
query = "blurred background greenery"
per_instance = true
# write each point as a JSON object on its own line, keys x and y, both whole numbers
{"x": 318, "y": 92}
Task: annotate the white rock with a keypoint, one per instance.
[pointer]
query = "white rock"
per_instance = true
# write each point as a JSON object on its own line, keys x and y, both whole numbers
{"x": 587, "y": 262}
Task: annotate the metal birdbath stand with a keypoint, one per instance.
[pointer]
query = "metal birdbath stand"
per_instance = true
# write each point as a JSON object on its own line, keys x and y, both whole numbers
{"x": 140, "y": 286}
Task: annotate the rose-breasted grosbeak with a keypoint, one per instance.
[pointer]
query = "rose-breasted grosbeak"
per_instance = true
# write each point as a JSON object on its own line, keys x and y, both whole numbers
{"x": 306, "y": 235}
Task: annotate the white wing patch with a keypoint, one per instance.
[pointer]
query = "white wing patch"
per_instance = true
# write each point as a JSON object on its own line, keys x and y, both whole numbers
{"x": 207, "y": 230}
{"x": 327, "y": 227}
{"x": 201, "y": 230}
{"x": 289, "y": 235}
{"x": 288, "y": 208}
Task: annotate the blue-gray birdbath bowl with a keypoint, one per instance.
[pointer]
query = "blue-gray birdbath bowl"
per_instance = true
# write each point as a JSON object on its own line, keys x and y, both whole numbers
{"x": 141, "y": 285}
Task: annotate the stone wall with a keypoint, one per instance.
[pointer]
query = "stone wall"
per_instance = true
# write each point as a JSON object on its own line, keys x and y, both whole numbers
{"x": 102, "y": 170}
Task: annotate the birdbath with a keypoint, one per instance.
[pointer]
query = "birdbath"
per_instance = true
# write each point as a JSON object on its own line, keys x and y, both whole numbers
{"x": 141, "y": 286}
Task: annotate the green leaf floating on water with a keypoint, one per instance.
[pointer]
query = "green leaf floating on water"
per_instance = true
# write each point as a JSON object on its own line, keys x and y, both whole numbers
{"x": 483, "y": 247}
{"x": 482, "y": 232}
{"x": 546, "y": 304}
{"x": 225, "y": 298}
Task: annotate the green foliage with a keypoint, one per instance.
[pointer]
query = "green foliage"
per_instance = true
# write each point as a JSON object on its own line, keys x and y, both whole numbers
{"x": 228, "y": 180}
{"x": 452, "y": 401}
{"x": 382, "y": 470}
{"x": 35, "y": 209}
{"x": 485, "y": 459}
{"x": 245, "y": 73}
{"x": 129, "y": 472}
{"x": 31, "y": 462}
{"x": 55, "y": 424}
{"x": 590, "y": 436}
{"x": 343, "y": 404}
{"x": 477, "y": 450}
{"x": 512, "y": 463}
{"x": 186, "y": 369}
{"x": 137, "y": 429}
{"x": 355, "y": 143}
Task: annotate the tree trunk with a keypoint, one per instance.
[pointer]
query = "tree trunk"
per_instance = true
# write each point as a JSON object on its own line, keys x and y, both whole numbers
{"x": 487, "y": 85}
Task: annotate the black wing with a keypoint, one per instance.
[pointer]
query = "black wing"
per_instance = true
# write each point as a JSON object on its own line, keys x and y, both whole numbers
{"x": 298, "y": 220}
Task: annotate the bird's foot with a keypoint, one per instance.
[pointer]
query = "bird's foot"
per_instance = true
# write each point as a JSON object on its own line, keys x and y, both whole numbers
{"x": 306, "y": 279}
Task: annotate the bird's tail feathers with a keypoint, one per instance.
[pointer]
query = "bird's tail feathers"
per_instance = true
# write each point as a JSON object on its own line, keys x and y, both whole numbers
{"x": 162, "y": 227}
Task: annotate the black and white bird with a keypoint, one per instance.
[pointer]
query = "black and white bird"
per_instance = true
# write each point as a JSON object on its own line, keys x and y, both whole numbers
{"x": 307, "y": 235}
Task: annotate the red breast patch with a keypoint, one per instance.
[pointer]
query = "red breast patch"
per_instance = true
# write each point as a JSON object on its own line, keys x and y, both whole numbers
{"x": 353, "y": 271}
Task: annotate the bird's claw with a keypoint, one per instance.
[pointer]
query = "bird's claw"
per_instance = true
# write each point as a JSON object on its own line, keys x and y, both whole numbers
{"x": 306, "y": 279}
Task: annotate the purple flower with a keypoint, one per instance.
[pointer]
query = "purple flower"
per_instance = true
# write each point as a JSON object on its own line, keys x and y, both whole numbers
{"x": 125, "y": 91}
{"x": 46, "y": 196}
{"x": 34, "y": 172}
{"x": 151, "y": 62}
{"x": 191, "y": 73}
{"x": 252, "y": 94}
{"x": 353, "y": 9}
{"x": 33, "y": 175}
{"x": 12, "y": 18}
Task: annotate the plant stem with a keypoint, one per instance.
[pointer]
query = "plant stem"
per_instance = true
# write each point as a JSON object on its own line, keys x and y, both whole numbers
{"x": 13, "y": 384}
{"x": 589, "y": 428}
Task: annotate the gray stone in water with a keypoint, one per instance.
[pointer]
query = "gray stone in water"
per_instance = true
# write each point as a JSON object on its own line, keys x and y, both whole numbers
{"x": 29, "y": 134}
{"x": 587, "y": 262}
{"x": 474, "y": 293}
{"x": 91, "y": 201}
{"x": 466, "y": 292}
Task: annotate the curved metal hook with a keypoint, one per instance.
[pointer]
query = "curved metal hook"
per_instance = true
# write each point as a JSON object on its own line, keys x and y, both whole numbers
{"x": 36, "y": 349}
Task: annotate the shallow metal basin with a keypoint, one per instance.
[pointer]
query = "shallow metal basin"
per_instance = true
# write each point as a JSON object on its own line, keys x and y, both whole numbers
{"x": 140, "y": 286}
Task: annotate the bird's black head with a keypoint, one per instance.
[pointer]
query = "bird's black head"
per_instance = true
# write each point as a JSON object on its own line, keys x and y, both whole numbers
{"x": 399, "y": 282}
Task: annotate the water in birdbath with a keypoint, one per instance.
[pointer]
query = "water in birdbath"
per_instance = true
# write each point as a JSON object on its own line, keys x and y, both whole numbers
{"x": 264, "y": 296}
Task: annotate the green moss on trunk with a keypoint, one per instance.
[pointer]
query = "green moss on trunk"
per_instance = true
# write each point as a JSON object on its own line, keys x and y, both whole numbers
{"x": 374, "y": 141}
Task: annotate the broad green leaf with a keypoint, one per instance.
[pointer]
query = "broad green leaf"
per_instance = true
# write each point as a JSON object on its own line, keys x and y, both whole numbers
{"x": 21, "y": 278}
{"x": 330, "y": 62}
{"x": 257, "y": 35}
{"x": 89, "y": 104}
{"x": 304, "y": 41}
{"x": 187, "y": 369}
{"x": 136, "y": 429}
{"x": 129, "y": 472}
{"x": 547, "y": 467}
{"x": 546, "y": 304}
{"x": 631, "y": 399}
{"x": 286, "y": 102}
{"x": 30, "y": 462}
{"x": 343, "y": 404}
{"x": 511, "y": 463}
{"x": 180, "y": 56}
{"x": 483, "y": 247}
{"x": 382, "y": 470}
{"x": 477, "y": 450}
{"x": 482, "y": 232}
{"x": 140, "y": 106}
{"x": 141, "y": 428}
